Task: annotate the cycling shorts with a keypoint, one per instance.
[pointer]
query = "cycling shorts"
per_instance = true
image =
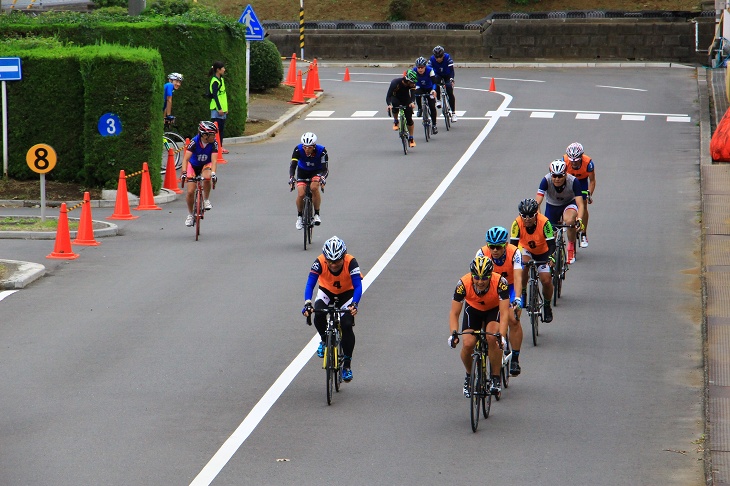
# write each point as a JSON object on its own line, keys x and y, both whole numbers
{"x": 476, "y": 319}
{"x": 555, "y": 213}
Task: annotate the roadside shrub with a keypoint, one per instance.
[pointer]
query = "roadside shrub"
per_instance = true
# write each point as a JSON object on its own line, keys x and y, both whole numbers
{"x": 167, "y": 8}
{"x": 266, "y": 70}
{"x": 398, "y": 9}
{"x": 111, "y": 3}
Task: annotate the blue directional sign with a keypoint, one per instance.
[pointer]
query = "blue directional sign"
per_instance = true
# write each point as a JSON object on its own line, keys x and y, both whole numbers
{"x": 254, "y": 29}
{"x": 10, "y": 69}
{"x": 109, "y": 125}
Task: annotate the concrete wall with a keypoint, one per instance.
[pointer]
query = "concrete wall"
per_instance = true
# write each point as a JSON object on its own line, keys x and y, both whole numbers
{"x": 672, "y": 40}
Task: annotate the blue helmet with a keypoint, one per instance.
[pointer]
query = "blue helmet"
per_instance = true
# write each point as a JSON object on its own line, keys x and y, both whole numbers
{"x": 421, "y": 61}
{"x": 497, "y": 235}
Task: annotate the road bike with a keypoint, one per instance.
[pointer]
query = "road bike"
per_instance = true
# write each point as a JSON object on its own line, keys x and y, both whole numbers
{"x": 534, "y": 303}
{"x": 561, "y": 267}
{"x": 506, "y": 363}
{"x": 334, "y": 358}
{"x": 402, "y": 127}
{"x": 198, "y": 203}
{"x": 426, "y": 115}
{"x": 307, "y": 211}
{"x": 480, "y": 381}
{"x": 445, "y": 105}
{"x": 172, "y": 140}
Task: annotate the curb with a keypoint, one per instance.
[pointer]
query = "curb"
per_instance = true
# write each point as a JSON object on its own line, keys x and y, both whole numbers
{"x": 21, "y": 274}
{"x": 165, "y": 196}
{"x": 110, "y": 230}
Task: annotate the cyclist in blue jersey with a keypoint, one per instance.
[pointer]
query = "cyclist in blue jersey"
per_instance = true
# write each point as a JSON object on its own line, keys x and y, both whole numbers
{"x": 400, "y": 97}
{"x": 174, "y": 80}
{"x": 564, "y": 200}
{"x": 443, "y": 66}
{"x": 201, "y": 157}
{"x": 426, "y": 86}
{"x": 310, "y": 161}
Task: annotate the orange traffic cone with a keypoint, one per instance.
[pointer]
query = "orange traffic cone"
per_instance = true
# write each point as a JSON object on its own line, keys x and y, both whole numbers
{"x": 309, "y": 85}
{"x": 347, "y": 75}
{"x": 146, "y": 198}
{"x": 491, "y": 85}
{"x": 298, "y": 97}
{"x": 171, "y": 173}
{"x": 121, "y": 207}
{"x": 62, "y": 247}
{"x": 221, "y": 159}
{"x": 291, "y": 75}
{"x": 85, "y": 234}
{"x": 315, "y": 79}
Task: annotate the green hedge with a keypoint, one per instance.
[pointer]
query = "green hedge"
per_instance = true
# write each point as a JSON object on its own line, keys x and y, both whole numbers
{"x": 266, "y": 70}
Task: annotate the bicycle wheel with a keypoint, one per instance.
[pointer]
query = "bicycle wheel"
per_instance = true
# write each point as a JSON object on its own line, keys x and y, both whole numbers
{"x": 426, "y": 120}
{"x": 339, "y": 360}
{"x": 486, "y": 381}
{"x": 476, "y": 390}
{"x": 557, "y": 271}
{"x": 168, "y": 143}
{"x": 446, "y": 110}
{"x": 330, "y": 367}
{"x": 306, "y": 221}
{"x": 180, "y": 150}
{"x": 310, "y": 227}
{"x": 506, "y": 362}
{"x": 534, "y": 306}
{"x": 198, "y": 211}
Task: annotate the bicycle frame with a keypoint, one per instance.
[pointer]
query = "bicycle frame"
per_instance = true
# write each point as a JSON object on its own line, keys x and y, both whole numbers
{"x": 445, "y": 105}
{"x": 198, "y": 208}
{"x": 425, "y": 114}
{"x": 402, "y": 127}
{"x": 481, "y": 379}
{"x": 534, "y": 302}
{"x": 333, "y": 359}
{"x": 307, "y": 212}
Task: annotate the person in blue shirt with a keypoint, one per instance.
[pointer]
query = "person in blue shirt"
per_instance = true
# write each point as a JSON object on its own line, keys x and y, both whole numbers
{"x": 426, "y": 85}
{"x": 174, "y": 80}
{"x": 310, "y": 162}
{"x": 201, "y": 157}
{"x": 443, "y": 66}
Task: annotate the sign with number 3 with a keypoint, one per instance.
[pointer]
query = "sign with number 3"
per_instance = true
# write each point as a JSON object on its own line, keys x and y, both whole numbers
{"x": 109, "y": 125}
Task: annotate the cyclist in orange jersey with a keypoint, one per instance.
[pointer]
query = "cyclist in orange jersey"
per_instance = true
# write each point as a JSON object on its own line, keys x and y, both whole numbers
{"x": 338, "y": 275}
{"x": 533, "y": 233}
{"x": 582, "y": 168}
{"x": 507, "y": 259}
{"x": 487, "y": 299}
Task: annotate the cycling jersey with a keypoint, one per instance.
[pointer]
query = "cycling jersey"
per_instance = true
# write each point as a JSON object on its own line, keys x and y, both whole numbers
{"x": 560, "y": 196}
{"x": 539, "y": 240}
{"x": 426, "y": 81}
{"x": 345, "y": 284}
{"x": 443, "y": 69}
{"x": 399, "y": 94}
{"x": 582, "y": 172}
{"x": 202, "y": 152}
{"x": 511, "y": 260}
{"x": 318, "y": 162}
{"x": 496, "y": 291}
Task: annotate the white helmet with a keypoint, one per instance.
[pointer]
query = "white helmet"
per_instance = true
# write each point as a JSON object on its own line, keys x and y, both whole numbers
{"x": 175, "y": 77}
{"x": 334, "y": 248}
{"x": 574, "y": 151}
{"x": 557, "y": 166}
{"x": 309, "y": 138}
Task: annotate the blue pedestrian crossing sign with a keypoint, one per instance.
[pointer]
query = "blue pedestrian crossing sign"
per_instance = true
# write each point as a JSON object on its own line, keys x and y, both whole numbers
{"x": 254, "y": 29}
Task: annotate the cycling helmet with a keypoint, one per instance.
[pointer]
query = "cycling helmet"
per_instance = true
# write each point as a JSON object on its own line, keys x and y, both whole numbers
{"x": 411, "y": 76}
{"x": 497, "y": 235}
{"x": 175, "y": 77}
{"x": 207, "y": 127}
{"x": 421, "y": 61}
{"x": 528, "y": 207}
{"x": 574, "y": 151}
{"x": 557, "y": 167}
{"x": 438, "y": 51}
{"x": 334, "y": 248}
{"x": 482, "y": 267}
{"x": 309, "y": 138}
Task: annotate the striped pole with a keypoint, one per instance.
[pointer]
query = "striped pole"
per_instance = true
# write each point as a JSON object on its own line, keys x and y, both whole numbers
{"x": 301, "y": 29}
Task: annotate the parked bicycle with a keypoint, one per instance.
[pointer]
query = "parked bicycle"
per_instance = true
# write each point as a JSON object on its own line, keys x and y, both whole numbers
{"x": 172, "y": 140}
{"x": 307, "y": 211}
{"x": 534, "y": 303}
{"x": 402, "y": 127}
{"x": 480, "y": 381}
{"x": 333, "y": 359}
{"x": 445, "y": 105}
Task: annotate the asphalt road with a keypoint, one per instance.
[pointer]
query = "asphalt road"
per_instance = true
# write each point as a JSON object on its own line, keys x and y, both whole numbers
{"x": 139, "y": 362}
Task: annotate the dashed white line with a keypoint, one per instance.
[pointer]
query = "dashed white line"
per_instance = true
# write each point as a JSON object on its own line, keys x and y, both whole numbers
{"x": 619, "y": 87}
{"x": 542, "y": 114}
{"x": 587, "y": 116}
{"x": 633, "y": 117}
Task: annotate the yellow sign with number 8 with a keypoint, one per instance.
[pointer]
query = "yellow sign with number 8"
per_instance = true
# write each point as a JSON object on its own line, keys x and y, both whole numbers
{"x": 41, "y": 158}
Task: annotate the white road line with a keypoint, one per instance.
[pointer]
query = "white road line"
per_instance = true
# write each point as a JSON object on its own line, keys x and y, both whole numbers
{"x": 234, "y": 442}
{"x": 515, "y": 79}
{"x": 587, "y": 116}
{"x": 599, "y": 112}
{"x": 619, "y": 87}
{"x": 319, "y": 113}
{"x": 542, "y": 114}
{"x": 633, "y": 118}
{"x": 679, "y": 119}
{"x": 6, "y": 293}
{"x": 364, "y": 113}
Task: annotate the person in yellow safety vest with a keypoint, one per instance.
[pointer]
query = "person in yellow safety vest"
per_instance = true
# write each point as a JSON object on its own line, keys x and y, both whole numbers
{"x": 218, "y": 98}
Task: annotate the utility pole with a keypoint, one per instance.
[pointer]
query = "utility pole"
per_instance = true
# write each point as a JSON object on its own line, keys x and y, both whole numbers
{"x": 136, "y": 6}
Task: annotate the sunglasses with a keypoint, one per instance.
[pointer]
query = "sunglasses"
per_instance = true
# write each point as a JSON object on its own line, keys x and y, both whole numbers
{"x": 558, "y": 176}
{"x": 528, "y": 216}
{"x": 495, "y": 247}
{"x": 477, "y": 277}
{"x": 333, "y": 262}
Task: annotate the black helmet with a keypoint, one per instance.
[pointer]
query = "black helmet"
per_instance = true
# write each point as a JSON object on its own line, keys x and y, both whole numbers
{"x": 438, "y": 51}
{"x": 528, "y": 207}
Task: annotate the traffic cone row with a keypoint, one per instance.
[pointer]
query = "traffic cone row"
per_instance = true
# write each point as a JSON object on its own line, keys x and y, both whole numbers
{"x": 146, "y": 198}
{"x": 121, "y": 206}
{"x": 85, "y": 234}
{"x": 62, "y": 248}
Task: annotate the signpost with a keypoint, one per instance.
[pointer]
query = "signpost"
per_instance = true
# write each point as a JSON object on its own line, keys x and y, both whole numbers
{"x": 41, "y": 158}
{"x": 9, "y": 71}
{"x": 254, "y": 32}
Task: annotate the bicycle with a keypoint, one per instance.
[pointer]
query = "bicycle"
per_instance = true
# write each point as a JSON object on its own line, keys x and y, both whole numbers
{"x": 445, "y": 105}
{"x": 307, "y": 211}
{"x": 402, "y": 128}
{"x": 172, "y": 140}
{"x": 480, "y": 381}
{"x": 198, "y": 203}
{"x": 334, "y": 358}
{"x": 426, "y": 115}
{"x": 534, "y": 303}
{"x": 561, "y": 267}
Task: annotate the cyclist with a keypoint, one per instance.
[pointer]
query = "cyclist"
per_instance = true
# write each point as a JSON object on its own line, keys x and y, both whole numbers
{"x": 487, "y": 299}
{"x": 581, "y": 166}
{"x": 507, "y": 261}
{"x": 311, "y": 162}
{"x": 443, "y": 66}
{"x": 199, "y": 160}
{"x": 338, "y": 274}
{"x": 533, "y": 233}
{"x": 426, "y": 86}
{"x": 564, "y": 200}
{"x": 174, "y": 80}
{"x": 400, "y": 96}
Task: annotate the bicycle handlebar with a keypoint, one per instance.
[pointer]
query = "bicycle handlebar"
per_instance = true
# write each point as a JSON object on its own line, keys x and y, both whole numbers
{"x": 561, "y": 225}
